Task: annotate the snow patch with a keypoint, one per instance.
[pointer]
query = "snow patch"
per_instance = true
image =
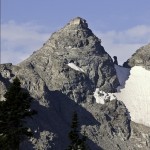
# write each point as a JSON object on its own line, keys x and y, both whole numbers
{"x": 102, "y": 97}
{"x": 75, "y": 67}
{"x": 136, "y": 93}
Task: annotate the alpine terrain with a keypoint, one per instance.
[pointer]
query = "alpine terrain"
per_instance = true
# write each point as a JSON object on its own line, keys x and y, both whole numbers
{"x": 73, "y": 72}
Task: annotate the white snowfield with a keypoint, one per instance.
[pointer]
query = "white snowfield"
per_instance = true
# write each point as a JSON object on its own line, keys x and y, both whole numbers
{"x": 75, "y": 67}
{"x": 102, "y": 97}
{"x": 135, "y": 93}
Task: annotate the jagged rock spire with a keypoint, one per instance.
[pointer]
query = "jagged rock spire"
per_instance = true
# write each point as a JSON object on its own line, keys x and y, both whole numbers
{"x": 78, "y": 21}
{"x": 75, "y": 43}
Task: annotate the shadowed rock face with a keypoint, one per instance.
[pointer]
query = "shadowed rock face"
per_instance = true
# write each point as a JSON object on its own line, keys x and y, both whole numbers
{"x": 59, "y": 90}
{"x": 140, "y": 58}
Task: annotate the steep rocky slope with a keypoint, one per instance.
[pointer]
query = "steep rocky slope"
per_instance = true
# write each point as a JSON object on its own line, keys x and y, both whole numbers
{"x": 61, "y": 77}
{"x": 140, "y": 58}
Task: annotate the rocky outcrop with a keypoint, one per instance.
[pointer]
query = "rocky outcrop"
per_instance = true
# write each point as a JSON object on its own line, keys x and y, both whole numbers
{"x": 77, "y": 44}
{"x": 140, "y": 58}
{"x": 61, "y": 77}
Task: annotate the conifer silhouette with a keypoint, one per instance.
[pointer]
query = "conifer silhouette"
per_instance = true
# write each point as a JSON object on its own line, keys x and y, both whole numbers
{"x": 13, "y": 112}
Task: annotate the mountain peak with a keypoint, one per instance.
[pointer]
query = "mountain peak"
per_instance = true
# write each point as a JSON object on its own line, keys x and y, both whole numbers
{"x": 75, "y": 45}
{"x": 78, "y": 21}
{"x": 140, "y": 58}
{"x": 75, "y": 34}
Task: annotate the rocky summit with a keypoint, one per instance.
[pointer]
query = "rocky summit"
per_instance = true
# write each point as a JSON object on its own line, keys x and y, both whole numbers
{"x": 140, "y": 58}
{"x": 62, "y": 77}
{"x": 75, "y": 44}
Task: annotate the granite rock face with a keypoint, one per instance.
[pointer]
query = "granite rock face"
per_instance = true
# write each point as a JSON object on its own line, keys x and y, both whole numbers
{"x": 61, "y": 77}
{"x": 140, "y": 58}
{"x": 77, "y": 44}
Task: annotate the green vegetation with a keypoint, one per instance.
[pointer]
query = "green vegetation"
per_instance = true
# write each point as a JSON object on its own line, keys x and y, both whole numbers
{"x": 13, "y": 113}
{"x": 77, "y": 141}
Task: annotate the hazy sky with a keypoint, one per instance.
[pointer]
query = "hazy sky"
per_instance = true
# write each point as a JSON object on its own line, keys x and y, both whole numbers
{"x": 122, "y": 25}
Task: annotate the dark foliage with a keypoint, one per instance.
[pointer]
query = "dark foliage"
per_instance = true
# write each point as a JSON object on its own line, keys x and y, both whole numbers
{"x": 77, "y": 141}
{"x": 13, "y": 113}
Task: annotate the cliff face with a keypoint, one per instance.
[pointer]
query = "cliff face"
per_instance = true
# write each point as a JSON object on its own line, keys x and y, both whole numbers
{"x": 61, "y": 77}
{"x": 140, "y": 58}
{"x": 74, "y": 46}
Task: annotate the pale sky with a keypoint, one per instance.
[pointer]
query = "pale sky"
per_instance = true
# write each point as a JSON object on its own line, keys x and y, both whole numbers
{"x": 122, "y": 25}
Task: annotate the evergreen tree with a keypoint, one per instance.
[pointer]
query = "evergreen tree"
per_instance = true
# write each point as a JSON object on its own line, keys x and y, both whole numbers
{"x": 77, "y": 142}
{"x": 13, "y": 112}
